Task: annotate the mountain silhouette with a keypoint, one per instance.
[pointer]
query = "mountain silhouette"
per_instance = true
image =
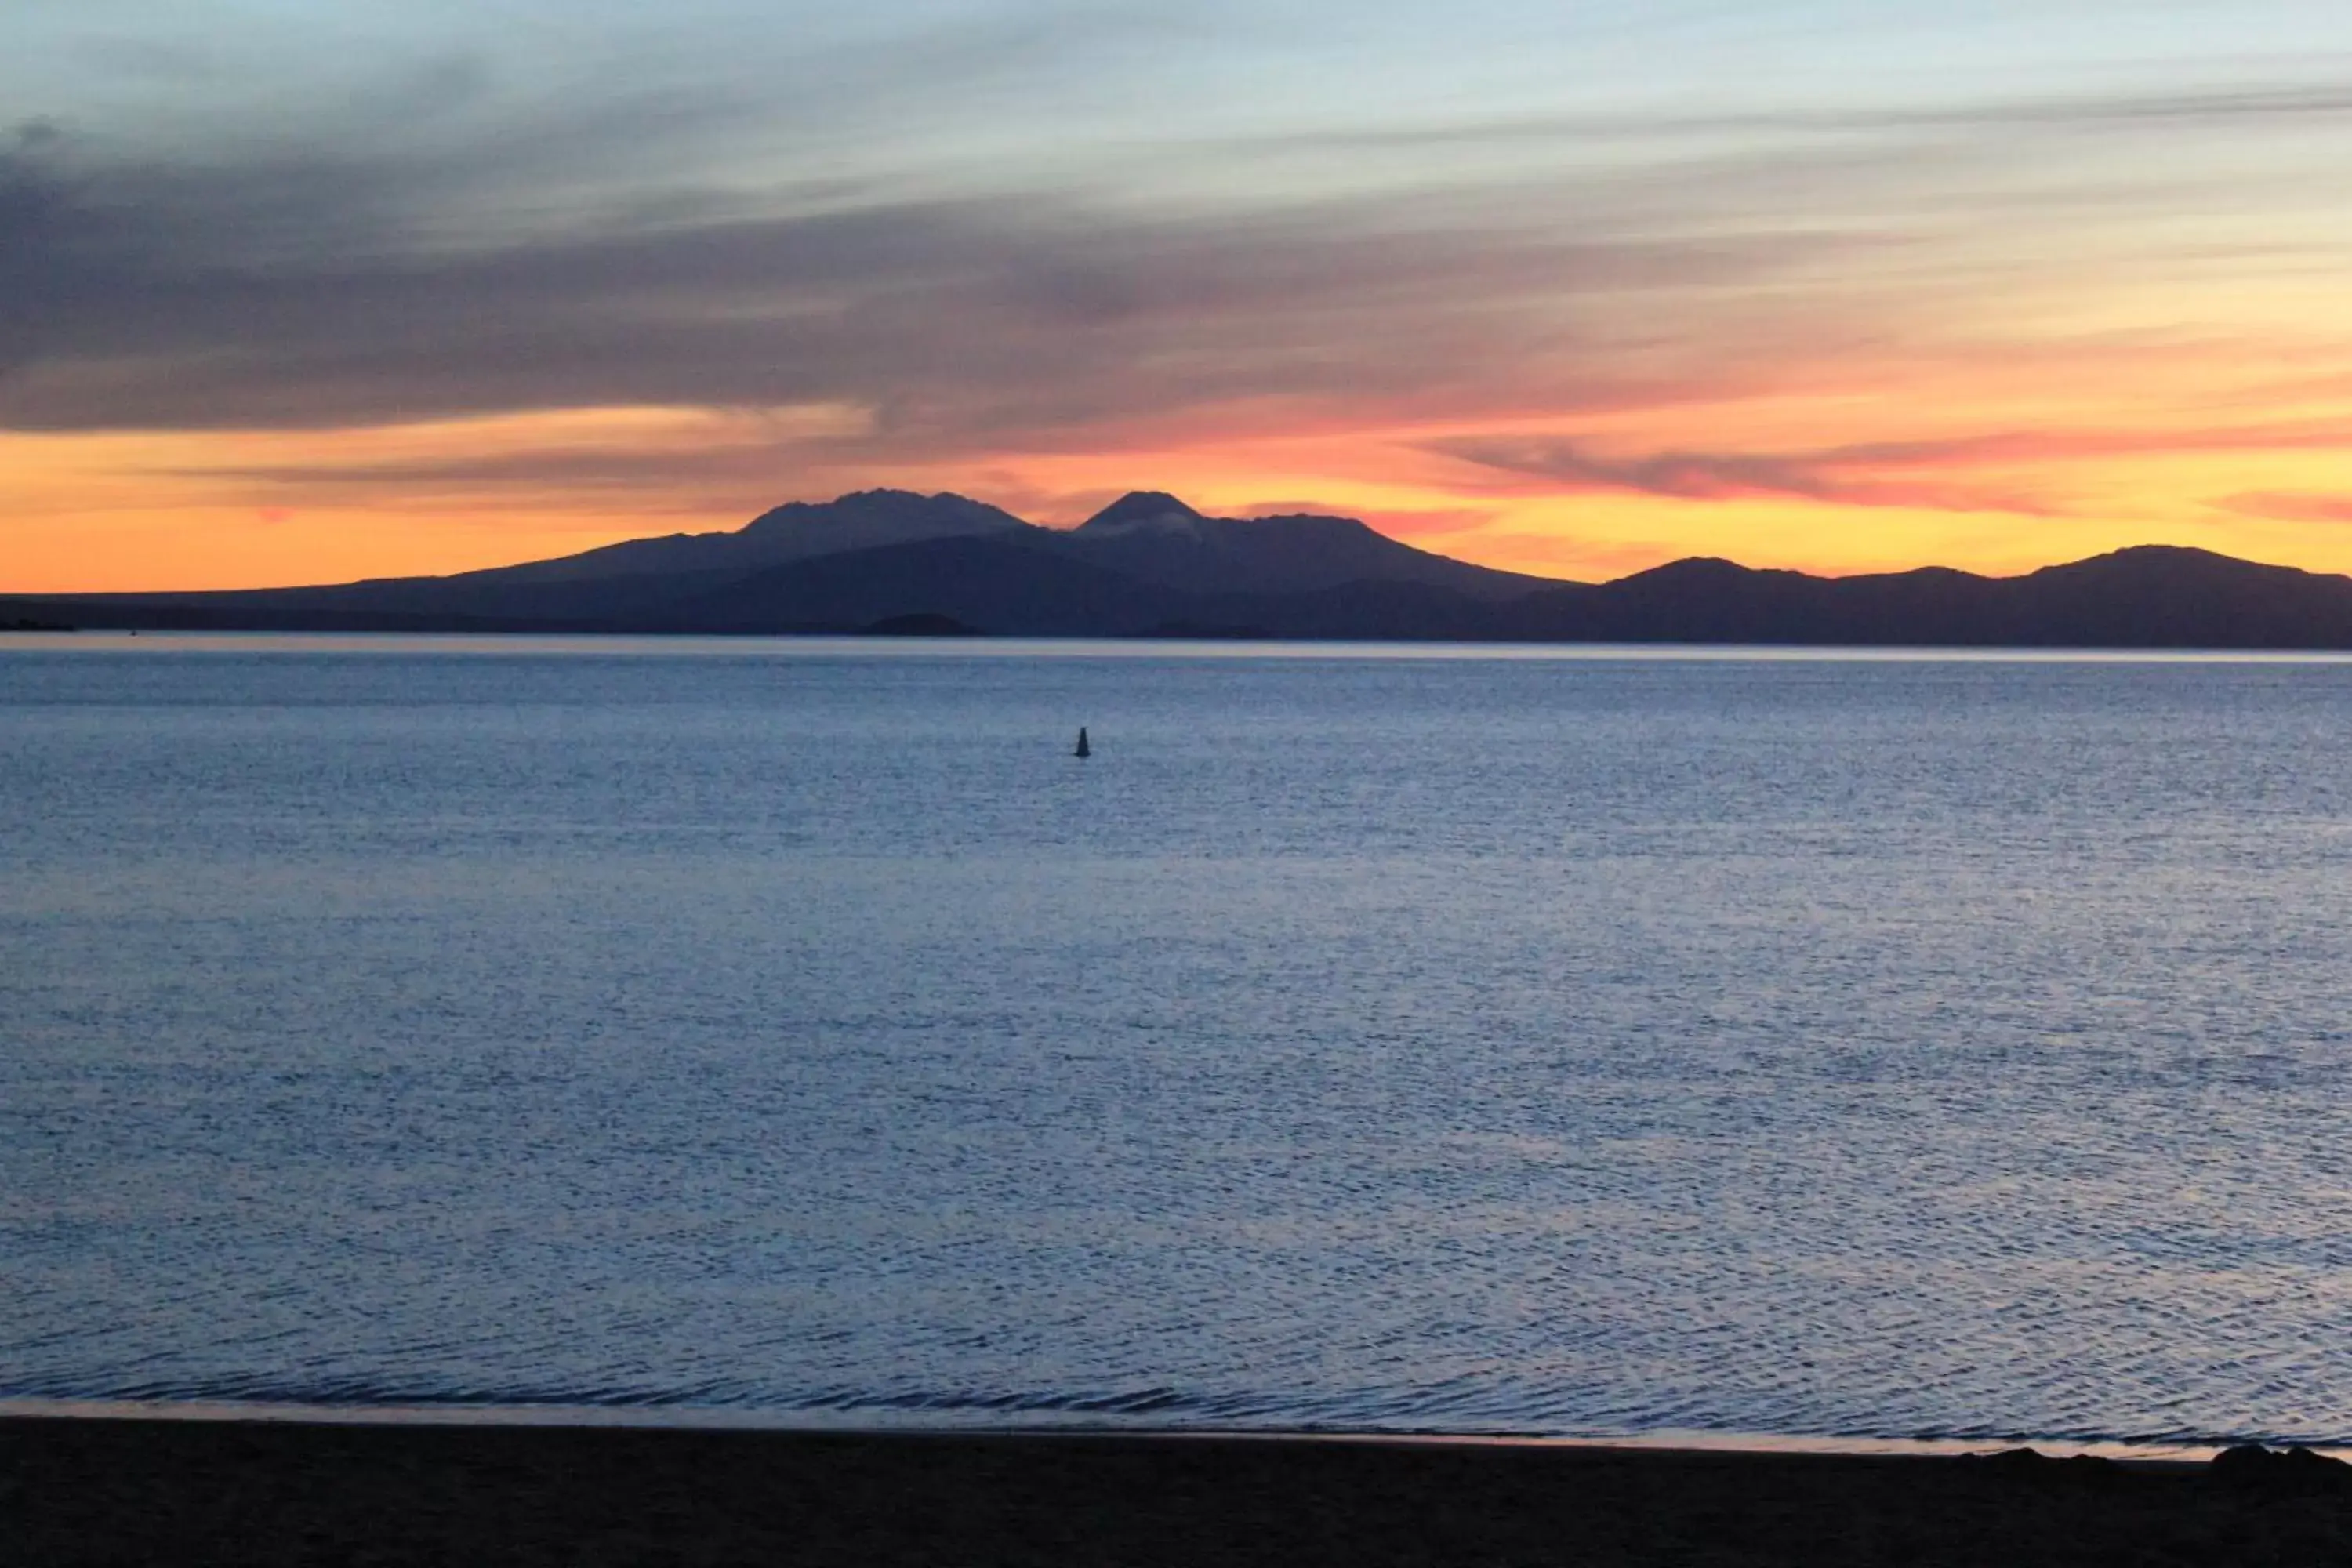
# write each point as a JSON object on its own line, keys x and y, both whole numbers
{"x": 892, "y": 561}
{"x": 2146, "y": 596}
{"x": 793, "y": 532}
{"x": 1144, "y": 512}
{"x": 1158, "y": 539}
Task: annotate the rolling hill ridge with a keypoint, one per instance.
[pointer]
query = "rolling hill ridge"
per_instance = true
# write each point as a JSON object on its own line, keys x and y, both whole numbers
{"x": 1151, "y": 565}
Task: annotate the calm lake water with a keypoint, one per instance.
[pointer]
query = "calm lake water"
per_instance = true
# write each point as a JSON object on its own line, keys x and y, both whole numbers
{"x": 1565, "y": 1043}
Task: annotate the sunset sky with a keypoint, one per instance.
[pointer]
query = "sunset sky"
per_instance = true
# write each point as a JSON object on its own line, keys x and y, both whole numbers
{"x": 304, "y": 291}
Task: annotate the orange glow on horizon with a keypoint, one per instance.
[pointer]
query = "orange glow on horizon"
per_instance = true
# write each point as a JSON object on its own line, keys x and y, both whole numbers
{"x": 1573, "y": 295}
{"x": 1965, "y": 464}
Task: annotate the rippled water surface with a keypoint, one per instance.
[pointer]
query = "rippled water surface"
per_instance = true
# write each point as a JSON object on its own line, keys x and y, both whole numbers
{"x": 1581, "y": 1044}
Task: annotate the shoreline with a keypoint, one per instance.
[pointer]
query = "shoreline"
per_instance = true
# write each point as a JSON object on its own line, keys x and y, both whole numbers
{"x": 86, "y": 1489}
{"x": 882, "y": 1423}
{"x": 92, "y": 639}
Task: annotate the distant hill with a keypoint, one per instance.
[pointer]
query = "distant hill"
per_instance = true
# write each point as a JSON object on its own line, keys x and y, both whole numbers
{"x": 2147, "y": 596}
{"x": 1158, "y": 539}
{"x": 893, "y": 563}
{"x": 796, "y": 531}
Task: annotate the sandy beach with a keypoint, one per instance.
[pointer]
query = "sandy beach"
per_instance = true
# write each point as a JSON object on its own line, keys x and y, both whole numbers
{"x": 150, "y": 1492}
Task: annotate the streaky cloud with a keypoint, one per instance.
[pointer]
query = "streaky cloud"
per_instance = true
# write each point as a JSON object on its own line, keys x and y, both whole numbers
{"x": 296, "y": 294}
{"x": 2256, "y": 106}
{"x": 1876, "y": 473}
{"x": 2289, "y": 507}
{"x": 1842, "y": 476}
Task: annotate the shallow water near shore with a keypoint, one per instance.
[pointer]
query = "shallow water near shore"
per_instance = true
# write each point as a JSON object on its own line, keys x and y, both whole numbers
{"x": 1601, "y": 1043}
{"x": 752, "y": 1418}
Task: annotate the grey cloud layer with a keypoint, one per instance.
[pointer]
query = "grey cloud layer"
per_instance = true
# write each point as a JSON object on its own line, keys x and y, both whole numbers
{"x": 309, "y": 291}
{"x": 599, "y": 252}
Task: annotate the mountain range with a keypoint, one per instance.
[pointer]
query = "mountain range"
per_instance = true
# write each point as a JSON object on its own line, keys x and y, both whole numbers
{"x": 1149, "y": 565}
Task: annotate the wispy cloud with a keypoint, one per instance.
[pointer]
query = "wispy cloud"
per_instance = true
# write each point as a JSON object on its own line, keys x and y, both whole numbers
{"x": 294, "y": 294}
{"x": 449, "y": 245}
{"x": 2289, "y": 507}
{"x": 1906, "y": 474}
{"x": 1864, "y": 475}
{"x": 2255, "y": 106}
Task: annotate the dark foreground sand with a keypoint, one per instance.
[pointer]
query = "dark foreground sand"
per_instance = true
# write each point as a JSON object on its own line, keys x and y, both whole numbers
{"x": 76, "y": 1491}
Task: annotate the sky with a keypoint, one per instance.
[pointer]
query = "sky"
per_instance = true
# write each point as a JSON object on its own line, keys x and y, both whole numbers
{"x": 296, "y": 292}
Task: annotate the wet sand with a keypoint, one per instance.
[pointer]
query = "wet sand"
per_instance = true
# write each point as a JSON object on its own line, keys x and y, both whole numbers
{"x": 145, "y": 1491}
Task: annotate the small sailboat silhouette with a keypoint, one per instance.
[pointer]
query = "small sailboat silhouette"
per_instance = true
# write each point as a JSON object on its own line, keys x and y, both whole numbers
{"x": 1084, "y": 750}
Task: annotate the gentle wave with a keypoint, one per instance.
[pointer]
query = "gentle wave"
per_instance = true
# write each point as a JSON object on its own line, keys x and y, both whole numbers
{"x": 1142, "y": 1410}
{"x": 1859, "y": 1050}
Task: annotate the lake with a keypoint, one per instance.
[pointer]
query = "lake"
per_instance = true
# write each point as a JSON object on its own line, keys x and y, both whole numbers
{"x": 1574, "y": 1041}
